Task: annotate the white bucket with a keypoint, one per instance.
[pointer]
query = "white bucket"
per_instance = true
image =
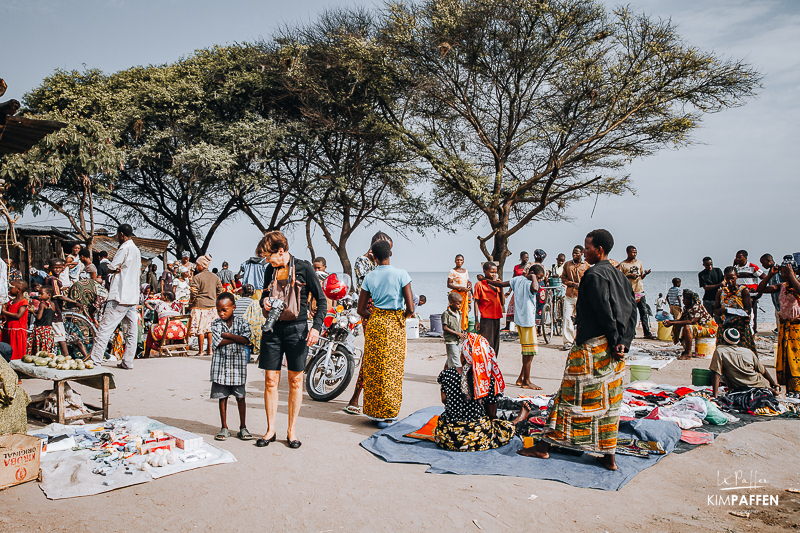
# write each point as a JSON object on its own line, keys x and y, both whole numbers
{"x": 512, "y": 327}
{"x": 705, "y": 347}
{"x": 412, "y": 328}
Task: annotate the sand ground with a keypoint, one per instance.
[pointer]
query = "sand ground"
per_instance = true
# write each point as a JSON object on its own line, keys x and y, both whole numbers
{"x": 332, "y": 484}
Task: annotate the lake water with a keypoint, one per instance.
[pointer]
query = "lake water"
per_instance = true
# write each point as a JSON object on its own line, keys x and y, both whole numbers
{"x": 434, "y": 286}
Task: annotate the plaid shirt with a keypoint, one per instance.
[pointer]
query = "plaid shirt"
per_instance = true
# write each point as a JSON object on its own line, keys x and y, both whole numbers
{"x": 229, "y": 362}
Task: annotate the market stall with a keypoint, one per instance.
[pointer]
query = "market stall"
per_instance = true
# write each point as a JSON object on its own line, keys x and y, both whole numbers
{"x": 101, "y": 378}
{"x": 96, "y": 458}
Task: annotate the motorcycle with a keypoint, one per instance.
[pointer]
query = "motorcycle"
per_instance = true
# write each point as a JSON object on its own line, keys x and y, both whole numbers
{"x": 334, "y": 358}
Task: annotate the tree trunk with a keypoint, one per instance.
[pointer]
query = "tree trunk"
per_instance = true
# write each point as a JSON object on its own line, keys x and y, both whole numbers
{"x": 308, "y": 238}
{"x": 500, "y": 250}
{"x": 347, "y": 268}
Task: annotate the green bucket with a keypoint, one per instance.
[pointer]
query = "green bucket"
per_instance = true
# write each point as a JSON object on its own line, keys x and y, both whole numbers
{"x": 702, "y": 377}
{"x": 640, "y": 372}
{"x": 471, "y": 327}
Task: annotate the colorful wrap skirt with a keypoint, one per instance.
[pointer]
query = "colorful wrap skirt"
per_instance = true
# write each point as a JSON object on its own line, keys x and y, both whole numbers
{"x": 585, "y": 412}
{"x": 384, "y": 363}
{"x": 169, "y": 329}
{"x": 528, "y": 340}
{"x": 787, "y": 360}
{"x": 703, "y": 331}
{"x": 201, "y": 319}
{"x": 474, "y": 436}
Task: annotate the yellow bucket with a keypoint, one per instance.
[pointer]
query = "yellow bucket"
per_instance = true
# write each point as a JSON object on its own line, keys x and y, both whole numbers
{"x": 664, "y": 333}
{"x": 705, "y": 346}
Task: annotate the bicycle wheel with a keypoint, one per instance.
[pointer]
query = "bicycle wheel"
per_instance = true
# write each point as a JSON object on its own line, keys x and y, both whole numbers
{"x": 558, "y": 316}
{"x": 79, "y": 329}
{"x": 547, "y": 323}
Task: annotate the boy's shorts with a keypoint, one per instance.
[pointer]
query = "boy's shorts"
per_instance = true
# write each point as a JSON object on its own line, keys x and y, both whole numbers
{"x": 453, "y": 355}
{"x": 59, "y": 333}
{"x": 223, "y": 391}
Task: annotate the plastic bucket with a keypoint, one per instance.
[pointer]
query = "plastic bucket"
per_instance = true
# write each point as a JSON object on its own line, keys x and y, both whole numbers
{"x": 471, "y": 327}
{"x": 664, "y": 333}
{"x": 436, "y": 324}
{"x": 701, "y": 377}
{"x": 640, "y": 372}
{"x": 412, "y": 328}
{"x": 705, "y": 346}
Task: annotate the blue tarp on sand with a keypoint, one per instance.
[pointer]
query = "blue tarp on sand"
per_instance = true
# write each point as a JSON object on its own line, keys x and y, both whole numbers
{"x": 391, "y": 445}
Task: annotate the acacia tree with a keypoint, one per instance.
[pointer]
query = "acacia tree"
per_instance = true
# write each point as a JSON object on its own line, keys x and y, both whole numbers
{"x": 68, "y": 172}
{"x": 331, "y": 80}
{"x": 523, "y": 106}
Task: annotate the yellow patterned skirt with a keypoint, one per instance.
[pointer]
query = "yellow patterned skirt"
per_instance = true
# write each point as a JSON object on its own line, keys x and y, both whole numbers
{"x": 474, "y": 436}
{"x": 528, "y": 340}
{"x": 585, "y": 413}
{"x": 787, "y": 361}
{"x": 384, "y": 363}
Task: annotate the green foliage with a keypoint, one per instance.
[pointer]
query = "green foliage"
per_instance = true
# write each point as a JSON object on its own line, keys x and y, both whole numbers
{"x": 66, "y": 172}
{"x": 521, "y": 107}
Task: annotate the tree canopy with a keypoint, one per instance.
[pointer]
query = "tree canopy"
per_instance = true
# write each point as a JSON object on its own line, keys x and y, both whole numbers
{"x": 505, "y": 111}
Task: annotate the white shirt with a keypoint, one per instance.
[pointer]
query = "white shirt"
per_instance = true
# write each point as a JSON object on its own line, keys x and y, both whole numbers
{"x": 3, "y": 282}
{"x": 125, "y": 285}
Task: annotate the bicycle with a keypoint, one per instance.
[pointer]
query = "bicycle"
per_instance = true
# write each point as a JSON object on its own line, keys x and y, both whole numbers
{"x": 551, "y": 321}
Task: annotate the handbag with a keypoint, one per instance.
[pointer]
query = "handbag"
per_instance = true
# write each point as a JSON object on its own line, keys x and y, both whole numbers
{"x": 288, "y": 291}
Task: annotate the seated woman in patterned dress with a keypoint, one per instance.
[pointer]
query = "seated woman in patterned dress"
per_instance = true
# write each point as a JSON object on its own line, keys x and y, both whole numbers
{"x": 469, "y": 394}
{"x": 695, "y": 323}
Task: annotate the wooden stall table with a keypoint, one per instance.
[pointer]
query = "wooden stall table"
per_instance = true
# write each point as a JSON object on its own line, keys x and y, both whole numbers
{"x": 101, "y": 378}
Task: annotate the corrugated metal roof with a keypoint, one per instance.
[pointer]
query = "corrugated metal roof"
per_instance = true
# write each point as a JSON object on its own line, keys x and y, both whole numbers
{"x": 19, "y": 134}
{"x": 149, "y": 248}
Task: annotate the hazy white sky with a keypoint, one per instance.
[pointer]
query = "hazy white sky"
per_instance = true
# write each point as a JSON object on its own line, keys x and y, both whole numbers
{"x": 734, "y": 189}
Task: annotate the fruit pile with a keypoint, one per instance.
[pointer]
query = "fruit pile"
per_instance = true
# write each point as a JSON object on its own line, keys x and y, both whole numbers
{"x": 59, "y": 362}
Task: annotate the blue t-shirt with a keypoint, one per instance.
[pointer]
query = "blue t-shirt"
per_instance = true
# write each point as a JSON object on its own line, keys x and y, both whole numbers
{"x": 524, "y": 302}
{"x": 385, "y": 285}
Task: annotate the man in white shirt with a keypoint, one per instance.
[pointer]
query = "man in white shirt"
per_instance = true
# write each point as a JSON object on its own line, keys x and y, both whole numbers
{"x": 123, "y": 296}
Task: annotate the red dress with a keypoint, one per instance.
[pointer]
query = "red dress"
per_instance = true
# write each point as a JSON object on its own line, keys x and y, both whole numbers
{"x": 15, "y": 332}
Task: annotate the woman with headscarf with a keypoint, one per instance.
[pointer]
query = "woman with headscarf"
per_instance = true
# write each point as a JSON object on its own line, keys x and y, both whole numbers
{"x": 181, "y": 285}
{"x": 787, "y": 360}
{"x": 695, "y": 323}
{"x": 469, "y": 394}
{"x": 204, "y": 288}
{"x": 733, "y": 306}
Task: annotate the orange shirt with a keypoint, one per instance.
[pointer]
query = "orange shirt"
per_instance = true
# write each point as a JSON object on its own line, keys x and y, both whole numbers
{"x": 488, "y": 299}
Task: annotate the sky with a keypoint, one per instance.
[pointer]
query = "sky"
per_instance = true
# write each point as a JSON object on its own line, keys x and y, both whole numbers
{"x": 734, "y": 188}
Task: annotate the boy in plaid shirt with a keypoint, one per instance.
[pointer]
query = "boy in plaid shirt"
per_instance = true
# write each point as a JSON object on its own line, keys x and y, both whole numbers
{"x": 230, "y": 338}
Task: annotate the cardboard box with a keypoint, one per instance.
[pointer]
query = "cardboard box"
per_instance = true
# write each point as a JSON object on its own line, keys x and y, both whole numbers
{"x": 185, "y": 440}
{"x": 19, "y": 459}
{"x": 151, "y": 446}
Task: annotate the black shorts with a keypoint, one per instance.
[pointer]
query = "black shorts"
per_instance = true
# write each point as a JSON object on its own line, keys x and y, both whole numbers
{"x": 286, "y": 338}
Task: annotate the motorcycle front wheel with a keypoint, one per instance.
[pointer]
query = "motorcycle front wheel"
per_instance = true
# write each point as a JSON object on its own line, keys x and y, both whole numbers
{"x": 326, "y": 384}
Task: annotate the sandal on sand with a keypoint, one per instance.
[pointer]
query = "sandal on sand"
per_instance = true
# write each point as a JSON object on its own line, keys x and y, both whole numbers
{"x": 352, "y": 410}
{"x": 244, "y": 434}
{"x": 223, "y": 434}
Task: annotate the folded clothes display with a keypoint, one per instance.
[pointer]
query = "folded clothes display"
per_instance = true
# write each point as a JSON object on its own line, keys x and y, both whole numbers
{"x": 750, "y": 401}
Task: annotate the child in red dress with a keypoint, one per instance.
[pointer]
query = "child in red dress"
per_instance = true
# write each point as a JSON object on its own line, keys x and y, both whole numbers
{"x": 15, "y": 330}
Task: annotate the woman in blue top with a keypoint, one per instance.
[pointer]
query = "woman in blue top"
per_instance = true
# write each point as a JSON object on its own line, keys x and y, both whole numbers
{"x": 385, "y": 337}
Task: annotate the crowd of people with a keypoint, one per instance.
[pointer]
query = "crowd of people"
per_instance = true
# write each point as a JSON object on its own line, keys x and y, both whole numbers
{"x": 271, "y": 311}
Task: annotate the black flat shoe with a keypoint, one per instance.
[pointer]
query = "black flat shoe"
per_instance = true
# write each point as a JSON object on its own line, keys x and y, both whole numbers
{"x": 294, "y": 444}
{"x": 262, "y": 443}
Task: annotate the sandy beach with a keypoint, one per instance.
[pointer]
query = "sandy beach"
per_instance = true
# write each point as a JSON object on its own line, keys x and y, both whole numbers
{"x": 332, "y": 484}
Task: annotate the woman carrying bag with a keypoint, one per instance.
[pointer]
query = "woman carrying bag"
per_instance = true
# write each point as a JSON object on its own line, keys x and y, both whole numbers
{"x": 289, "y": 281}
